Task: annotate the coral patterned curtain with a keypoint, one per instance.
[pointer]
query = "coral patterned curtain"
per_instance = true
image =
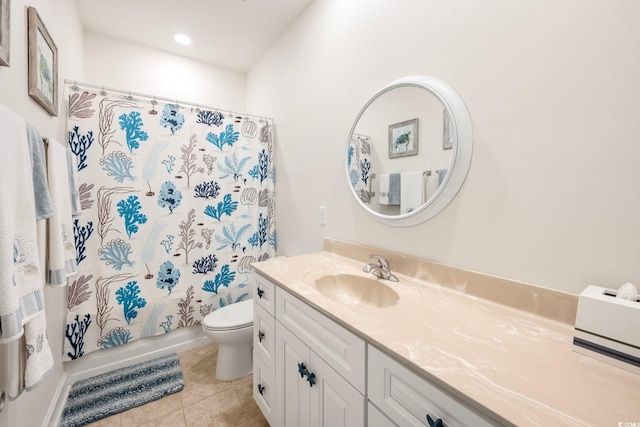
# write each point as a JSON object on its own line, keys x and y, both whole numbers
{"x": 176, "y": 204}
{"x": 359, "y": 166}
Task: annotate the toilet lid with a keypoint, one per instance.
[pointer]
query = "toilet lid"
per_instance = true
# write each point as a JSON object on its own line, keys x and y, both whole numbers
{"x": 230, "y": 316}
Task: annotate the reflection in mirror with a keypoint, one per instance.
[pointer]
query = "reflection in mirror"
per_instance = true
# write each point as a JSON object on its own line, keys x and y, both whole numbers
{"x": 409, "y": 150}
{"x": 400, "y": 139}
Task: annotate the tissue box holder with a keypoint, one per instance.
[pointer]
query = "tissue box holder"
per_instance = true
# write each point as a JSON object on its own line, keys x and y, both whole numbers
{"x": 608, "y": 328}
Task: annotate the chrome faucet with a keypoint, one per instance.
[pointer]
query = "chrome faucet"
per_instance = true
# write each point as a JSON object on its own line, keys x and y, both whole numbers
{"x": 380, "y": 269}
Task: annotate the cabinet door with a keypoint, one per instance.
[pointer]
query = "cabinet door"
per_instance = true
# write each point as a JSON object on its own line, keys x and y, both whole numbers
{"x": 334, "y": 402}
{"x": 319, "y": 397}
{"x": 342, "y": 349}
{"x": 293, "y": 399}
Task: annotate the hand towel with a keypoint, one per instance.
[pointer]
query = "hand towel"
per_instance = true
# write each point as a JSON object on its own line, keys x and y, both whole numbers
{"x": 411, "y": 191}
{"x": 16, "y": 355}
{"x": 384, "y": 189}
{"x": 39, "y": 358}
{"x": 389, "y": 189}
{"x": 30, "y": 357}
{"x": 442, "y": 173}
{"x": 61, "y": 251}
{"x": 394, "y": 189}
{"x": 432, "y": 185}
{"x": 20, "y": 273}
{"x": 44, "y": 206}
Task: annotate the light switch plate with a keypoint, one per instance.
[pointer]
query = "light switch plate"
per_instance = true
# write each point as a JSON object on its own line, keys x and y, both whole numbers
{"x": 323, "y": 215}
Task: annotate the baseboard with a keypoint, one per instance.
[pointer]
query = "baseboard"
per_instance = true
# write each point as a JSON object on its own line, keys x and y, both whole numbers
{"x": 102, "y": 361}
{"x": 139, "y": 351}
{"x": 59, "y": 398}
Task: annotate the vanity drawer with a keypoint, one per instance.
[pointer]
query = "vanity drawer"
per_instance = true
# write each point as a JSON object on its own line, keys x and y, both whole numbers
{"x": 341, "y": 349}
{"x": 264, "y": 390}
{"x": 264, "y": 293}
{"x": 264, "y": 333}
{"x": 407, "y": 399}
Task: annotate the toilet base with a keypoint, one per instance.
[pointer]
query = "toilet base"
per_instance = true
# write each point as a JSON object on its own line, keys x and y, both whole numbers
{"x": 234, "y": 361}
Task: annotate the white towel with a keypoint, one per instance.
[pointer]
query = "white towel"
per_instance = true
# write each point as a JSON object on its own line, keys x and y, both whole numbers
{"x": 21, "y": 281}
{"x": 432, "y": 185}
{"x": 411, "y": 191}
{"x": 384, "y": 189}
{"x": 61, "y": 261}
{"x": 39, "y": 358}
{"x": 16, "y": 353}
{"x": 21, "y": 277}
{"x": 30, "y": 357}
{"x": 442, "y": 174}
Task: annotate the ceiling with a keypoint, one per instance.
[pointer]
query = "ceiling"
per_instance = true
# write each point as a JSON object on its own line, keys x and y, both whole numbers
{"x": 229, "y": 33}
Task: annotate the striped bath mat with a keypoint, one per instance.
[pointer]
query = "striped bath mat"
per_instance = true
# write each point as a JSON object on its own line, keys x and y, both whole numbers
{"x": 104, "y": 395}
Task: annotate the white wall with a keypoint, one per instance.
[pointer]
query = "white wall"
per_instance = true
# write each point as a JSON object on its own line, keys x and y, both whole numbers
{"x": 118, "y": 64}
{"x": 552, "y": 197}
{"x": 63, "y": 24}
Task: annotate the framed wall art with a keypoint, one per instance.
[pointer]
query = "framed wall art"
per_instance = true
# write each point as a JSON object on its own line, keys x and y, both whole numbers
{"x": 403, "y": 138}
{"x": 5, "y": 31}
{"x": 43, "y": 64}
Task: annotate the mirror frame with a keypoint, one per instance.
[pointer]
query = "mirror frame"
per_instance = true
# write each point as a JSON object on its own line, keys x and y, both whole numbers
{"x": 460, "y": 126}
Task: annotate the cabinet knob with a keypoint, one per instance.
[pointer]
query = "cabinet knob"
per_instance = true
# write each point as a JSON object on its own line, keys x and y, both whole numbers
{"x": 311, "y": 377}
{"x": 260, "y": 389}
{"x": 302, "y": 370}
{"x": 260, "y": 335}
{"x": 260, "y": 292}
{"x": 434, "y": 423}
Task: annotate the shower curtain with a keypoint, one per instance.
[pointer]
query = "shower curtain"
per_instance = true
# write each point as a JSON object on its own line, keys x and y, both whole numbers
{"x": 359, "y": 166}
{"x": 176, "y": 203}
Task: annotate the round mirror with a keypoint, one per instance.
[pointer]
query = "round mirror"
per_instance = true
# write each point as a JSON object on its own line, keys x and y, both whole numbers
{"x": 409, "y": 150}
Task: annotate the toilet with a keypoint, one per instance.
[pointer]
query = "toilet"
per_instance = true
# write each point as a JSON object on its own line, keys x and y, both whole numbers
{"x": 232, "y": 328}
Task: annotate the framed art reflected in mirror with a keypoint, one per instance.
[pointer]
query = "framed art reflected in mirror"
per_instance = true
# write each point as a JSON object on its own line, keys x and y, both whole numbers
{"x": 43, "y": 64}
{"x": 403, "y": 138}
{"x": 5, "y": 32}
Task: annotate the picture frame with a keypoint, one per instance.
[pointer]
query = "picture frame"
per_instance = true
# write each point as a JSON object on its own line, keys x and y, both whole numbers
{"x": 43, "y": 64}
{"x": 447, "y": 137}
{"x": 403, "y": 138}
{"x": 5, "y": 32}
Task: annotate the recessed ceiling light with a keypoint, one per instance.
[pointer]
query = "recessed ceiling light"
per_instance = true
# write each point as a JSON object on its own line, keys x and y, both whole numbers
{"x": 182, "y": 39}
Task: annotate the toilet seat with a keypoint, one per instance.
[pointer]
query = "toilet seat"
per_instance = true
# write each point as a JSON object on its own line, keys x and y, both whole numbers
{"x": 229, "y": 317}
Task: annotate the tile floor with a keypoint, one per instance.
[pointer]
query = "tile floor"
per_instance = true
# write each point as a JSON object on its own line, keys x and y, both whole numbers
{"x": 204, "y": 402}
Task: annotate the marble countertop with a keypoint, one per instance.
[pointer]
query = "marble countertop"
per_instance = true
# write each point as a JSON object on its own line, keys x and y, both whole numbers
{"x": 517, "y": 366}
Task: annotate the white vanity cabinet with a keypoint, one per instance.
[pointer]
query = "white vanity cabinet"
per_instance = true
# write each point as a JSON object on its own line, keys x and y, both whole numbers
{"x": 311, "y": 371}
{"x": 308, "y": 370}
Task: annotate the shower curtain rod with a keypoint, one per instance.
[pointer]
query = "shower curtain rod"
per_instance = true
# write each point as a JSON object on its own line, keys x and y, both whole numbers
{"x": 74, "y": 86}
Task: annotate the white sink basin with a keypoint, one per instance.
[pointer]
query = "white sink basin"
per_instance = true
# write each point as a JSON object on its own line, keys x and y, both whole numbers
{"x": 356, "y": 290}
